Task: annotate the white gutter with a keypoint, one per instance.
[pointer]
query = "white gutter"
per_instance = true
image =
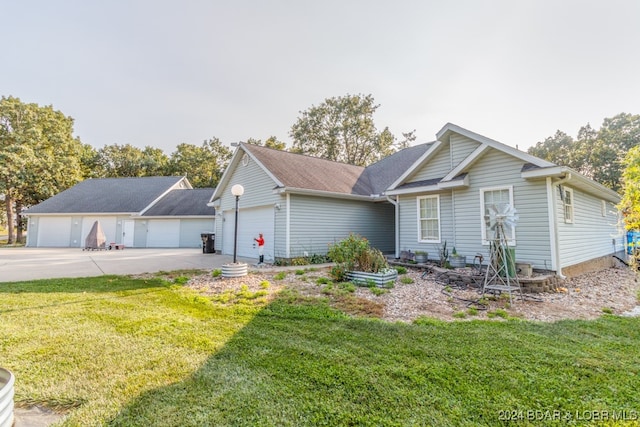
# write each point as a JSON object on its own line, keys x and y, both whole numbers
{"x": 397, "y": 221}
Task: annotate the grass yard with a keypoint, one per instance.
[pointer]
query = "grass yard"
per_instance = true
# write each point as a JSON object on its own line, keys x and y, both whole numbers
{"x": 131, "y": 352}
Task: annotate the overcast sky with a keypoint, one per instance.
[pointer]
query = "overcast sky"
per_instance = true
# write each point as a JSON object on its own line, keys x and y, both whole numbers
{"x": 162, "y": 72}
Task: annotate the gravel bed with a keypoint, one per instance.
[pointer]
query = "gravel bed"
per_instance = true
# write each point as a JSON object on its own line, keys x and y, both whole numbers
{"x": 588, "y": 296}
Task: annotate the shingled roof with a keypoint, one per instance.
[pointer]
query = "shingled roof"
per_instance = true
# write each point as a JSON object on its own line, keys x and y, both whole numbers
{"x": 183, "y": 203}
{"x": 312, "y": 173}
{"x": 109, "y": 195}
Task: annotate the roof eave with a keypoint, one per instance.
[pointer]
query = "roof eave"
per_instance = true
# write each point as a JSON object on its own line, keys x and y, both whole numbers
{"x": 322, "y": 193}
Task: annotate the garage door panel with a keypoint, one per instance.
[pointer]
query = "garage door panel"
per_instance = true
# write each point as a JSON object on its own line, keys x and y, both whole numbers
{"x": 54, "y": 232}
{"x": 251, "y": 222}
{"x": 163, "y": 233}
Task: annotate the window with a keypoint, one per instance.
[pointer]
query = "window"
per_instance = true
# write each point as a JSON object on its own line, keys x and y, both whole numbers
{"x": 429, "y": 219}
{"x": 495, "y": 197}
{"x": 568, "y": 205}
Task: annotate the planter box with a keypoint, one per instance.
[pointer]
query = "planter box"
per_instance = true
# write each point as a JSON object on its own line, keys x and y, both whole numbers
{"x": 458, "y": 261}
{"x": 422, "y": 258}
{"x": 379, "y": 279}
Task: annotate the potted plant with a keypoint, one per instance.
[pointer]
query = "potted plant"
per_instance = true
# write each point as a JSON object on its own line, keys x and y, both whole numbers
{"x": 358, "y": 262}
{"x": 421, "y": 257}
{"x": 456, "y": 260}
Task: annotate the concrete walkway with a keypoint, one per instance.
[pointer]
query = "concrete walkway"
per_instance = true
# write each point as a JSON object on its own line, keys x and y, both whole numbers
{"x": 18, "y": 264}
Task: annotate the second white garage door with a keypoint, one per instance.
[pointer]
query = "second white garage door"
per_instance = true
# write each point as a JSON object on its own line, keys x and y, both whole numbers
{"x": 163, "y": 233}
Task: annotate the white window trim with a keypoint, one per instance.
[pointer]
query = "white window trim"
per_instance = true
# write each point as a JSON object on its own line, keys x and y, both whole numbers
{"x": 420, "y": 240}
{"x": 483, "y": 226}
{"x": 566, "y": 205}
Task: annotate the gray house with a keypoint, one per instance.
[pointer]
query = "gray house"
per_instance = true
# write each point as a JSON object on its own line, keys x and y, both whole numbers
{"x": 417, "y": 199}
{"x": 152, "y": 212}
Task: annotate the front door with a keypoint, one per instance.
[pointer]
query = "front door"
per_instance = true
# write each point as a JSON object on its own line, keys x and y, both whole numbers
{"x": 127, "y": 233}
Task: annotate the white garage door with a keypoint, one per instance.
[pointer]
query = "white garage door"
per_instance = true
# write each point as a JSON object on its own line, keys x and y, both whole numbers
{"x": 108, "y": 225}
{"x": 163, "y": 233}
{"x": 54, "y": 231}
{"x": 251, "y": 222}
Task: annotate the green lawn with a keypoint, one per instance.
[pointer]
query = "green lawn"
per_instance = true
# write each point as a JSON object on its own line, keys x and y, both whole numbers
{"x": 120, "y": 351}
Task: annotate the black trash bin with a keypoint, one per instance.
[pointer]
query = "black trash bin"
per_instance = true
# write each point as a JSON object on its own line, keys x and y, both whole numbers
{"x": 208, "y": 243}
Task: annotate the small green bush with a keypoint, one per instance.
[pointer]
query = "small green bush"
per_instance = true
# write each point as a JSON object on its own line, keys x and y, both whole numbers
{"x": 460, "y": 315}
{"x": 299, "y": 272}
{"x": 280, "y": 275}
{"x": 378, "y": 291}
{"x": 406, "y": 280}
{"x": 217, "y": 272}
{"x": 401, "y": 270}
{"x": 354, "y": 253}
{"x": 322, "y": 281}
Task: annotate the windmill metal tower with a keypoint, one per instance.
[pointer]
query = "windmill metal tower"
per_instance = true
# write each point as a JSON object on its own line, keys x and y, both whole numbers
{"x": 501, "y": 275}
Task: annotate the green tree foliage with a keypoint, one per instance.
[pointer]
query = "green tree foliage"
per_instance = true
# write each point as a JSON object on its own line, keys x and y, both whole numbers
{"x": 342, "y": 129}
{"x": 116, "y": 161}
{"x": 597, "y": 154}
{"x": 39, "y": 157}
{"x": 271, "y": 142}
{"x": 203, "y": 165}
{"x": 630, "y": 204}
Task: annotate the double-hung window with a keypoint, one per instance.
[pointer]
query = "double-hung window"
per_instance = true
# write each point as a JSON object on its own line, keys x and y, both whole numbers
{"x": 429, "y": 219}
{"x": 491, "y": 200}
{"x": 568, "y": 205}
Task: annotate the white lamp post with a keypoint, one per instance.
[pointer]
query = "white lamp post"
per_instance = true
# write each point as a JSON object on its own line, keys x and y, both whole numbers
{"x": 237, "y": 190}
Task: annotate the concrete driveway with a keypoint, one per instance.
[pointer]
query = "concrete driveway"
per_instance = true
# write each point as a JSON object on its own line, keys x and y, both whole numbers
{"x": 17, "y": 264}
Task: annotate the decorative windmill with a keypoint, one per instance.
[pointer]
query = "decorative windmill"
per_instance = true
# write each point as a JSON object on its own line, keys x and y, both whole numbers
{"x": 501, "y": 263}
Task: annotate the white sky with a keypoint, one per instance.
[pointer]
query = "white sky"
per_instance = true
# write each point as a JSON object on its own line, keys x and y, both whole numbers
{"x": 162, "y": 72}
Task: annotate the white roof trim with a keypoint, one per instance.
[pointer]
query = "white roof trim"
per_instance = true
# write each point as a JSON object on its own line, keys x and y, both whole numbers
{"x": 468, "y": 161}
{"x": 425, "y": 157}
{"x": 455, "y": 183}
{"x": 575, "y": 179}
{"x": 450, "y": 127}
{"x": 412, "y": 190}
{"x": 333, "y": 194}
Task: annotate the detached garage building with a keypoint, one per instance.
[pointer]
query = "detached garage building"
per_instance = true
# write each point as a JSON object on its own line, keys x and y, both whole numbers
{"x": 147, "y": 212}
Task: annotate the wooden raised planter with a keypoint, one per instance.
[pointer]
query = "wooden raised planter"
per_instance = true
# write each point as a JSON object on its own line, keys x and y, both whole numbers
{"x": 379, "y": 279}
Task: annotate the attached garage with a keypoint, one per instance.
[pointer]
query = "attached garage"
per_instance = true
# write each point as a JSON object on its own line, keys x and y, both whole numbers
{"x": 251, "y": 222}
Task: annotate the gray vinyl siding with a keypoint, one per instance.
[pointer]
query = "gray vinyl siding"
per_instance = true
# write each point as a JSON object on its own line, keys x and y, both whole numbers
{"x": 590, "y": 235}
{"x": 461, "y": 147}
{"x": 497, "y": 169}
{"x": 493, "y": 169}
{"x": 437, "y": 167}
{"x": 317, "y": 222}
{"x": 279, "y": 228}
{"x": 408, "y": 214}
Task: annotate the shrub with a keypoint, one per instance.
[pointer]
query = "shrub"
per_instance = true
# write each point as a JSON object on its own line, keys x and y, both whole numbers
{"x": 217, "y": 272}
{"x": 406, "y": 280}
{"x": 401, "y": 270}
{"x": 355, "y": 254}
{"x": 280, "y": 275}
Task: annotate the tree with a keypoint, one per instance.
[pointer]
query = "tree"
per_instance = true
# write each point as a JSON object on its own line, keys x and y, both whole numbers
{"x": 39, "y": 157}
{"x": 271, "y": 142}
{"x": 117, "y": 161}
{"x": 630, "y": 204}
{"x": 202, "y": 165}
{"x": 596, "y": 154}
{"x": 342, "y": 129}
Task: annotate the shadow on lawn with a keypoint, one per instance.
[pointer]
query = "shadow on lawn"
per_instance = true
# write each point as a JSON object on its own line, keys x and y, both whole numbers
{"x": 275, "y": 371}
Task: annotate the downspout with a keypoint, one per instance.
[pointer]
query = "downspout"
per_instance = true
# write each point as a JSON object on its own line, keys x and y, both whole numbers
{"x": 556, "y": 259}
{"x": 397, "y": 223}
